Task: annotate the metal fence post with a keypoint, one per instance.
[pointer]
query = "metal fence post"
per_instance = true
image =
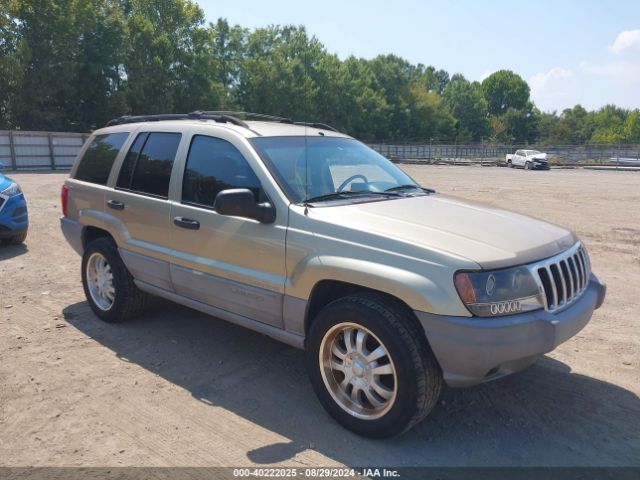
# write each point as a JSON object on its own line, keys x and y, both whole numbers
{"x": 12, "y": 152}
{"x": 51, "y": 153}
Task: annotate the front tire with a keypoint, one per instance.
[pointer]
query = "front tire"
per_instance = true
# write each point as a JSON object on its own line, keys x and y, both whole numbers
{"x": 527, "y": 166}
{"x": 16, "y": 239}
{"x": 371, "y": 365}
{"x": 108, "y": 285}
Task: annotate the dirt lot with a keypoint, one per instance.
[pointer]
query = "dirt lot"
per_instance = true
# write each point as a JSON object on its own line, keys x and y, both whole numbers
{"x": 177, "y": 388}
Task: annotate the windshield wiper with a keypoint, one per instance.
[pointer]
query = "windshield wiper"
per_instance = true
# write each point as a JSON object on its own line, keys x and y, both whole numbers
{"x": 332, "y": 196}
{"x": 403, "y": 187}
{"x": 348, "y": 193}
{"x": 409, "y": 186}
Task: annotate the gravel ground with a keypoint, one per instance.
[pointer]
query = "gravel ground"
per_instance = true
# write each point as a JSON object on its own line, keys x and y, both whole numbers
{"x": 178, "y": 388}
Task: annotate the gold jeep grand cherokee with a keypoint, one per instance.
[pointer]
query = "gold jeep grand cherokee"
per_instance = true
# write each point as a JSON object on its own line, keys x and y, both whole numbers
{"x": 302, "y": 233}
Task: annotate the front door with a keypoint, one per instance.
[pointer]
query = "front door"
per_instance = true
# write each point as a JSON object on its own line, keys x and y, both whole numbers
{"x": 236, "y": 264}
{"x": 518, "y": 158}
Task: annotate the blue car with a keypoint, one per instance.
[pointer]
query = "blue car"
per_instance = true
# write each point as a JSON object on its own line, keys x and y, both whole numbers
{"x": 14, "y": 221}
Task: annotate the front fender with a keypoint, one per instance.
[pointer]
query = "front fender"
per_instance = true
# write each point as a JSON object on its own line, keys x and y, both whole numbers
{"x": 410, "y": 287}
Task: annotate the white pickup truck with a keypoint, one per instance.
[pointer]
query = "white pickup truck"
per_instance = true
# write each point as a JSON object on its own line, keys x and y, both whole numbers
{"x": 528, "y": 159}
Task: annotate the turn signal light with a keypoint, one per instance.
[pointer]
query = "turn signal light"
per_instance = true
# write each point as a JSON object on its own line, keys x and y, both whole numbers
{"x": 465, "y": 288}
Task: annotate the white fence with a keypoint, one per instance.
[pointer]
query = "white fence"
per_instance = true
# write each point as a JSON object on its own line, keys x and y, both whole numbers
{"x": 39, "y": 150}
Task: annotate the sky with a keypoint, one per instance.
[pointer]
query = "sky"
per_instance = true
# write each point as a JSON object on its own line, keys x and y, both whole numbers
{"x": 569, "y": 51}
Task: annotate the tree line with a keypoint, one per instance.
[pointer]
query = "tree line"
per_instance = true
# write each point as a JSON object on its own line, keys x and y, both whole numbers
{"x": 71, "y": 65}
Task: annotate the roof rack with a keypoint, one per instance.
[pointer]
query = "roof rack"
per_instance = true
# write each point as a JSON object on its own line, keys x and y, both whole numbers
{"x": 273, "y": 118}
{"x": 321, "y": 126}
{"x": 248, "y": 115}
{"x": 197, "y": 115}
{"x": 222, "y": 116}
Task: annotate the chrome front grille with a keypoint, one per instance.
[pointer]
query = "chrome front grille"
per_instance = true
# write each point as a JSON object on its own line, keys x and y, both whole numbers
{"x": 563, "y": 278}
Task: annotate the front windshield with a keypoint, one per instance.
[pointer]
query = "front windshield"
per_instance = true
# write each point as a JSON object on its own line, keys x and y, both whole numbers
{"x": 312, "y": 167}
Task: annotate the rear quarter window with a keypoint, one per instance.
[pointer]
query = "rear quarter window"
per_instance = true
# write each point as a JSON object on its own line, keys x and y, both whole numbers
{"x": 98, "y": 159}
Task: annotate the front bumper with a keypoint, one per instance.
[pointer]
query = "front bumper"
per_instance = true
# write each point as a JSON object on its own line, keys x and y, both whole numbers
{"x": 541, "y": 166}
{"x": 14, "y": 218}
{"x": 473, "y": 350}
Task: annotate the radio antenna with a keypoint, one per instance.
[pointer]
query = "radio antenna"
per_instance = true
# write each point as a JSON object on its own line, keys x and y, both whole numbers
{"x": 306, "y": 119}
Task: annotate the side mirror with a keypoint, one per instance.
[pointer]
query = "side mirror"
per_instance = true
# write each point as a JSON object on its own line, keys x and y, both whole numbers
{"x": 240, "y": 202}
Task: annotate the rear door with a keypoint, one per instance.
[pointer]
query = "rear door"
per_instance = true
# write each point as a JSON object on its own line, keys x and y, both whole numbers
{"x": 140, "y": 205}
{"x": 89, "y": 177}
{"x": 236, "y": 264}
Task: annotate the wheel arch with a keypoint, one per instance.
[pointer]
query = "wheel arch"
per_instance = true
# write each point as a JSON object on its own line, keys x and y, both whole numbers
{"x": 328, "y": 290}
{"x": 91, "y": 233}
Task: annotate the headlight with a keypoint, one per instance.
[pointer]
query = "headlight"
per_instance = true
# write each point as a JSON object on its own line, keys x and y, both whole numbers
{"x": 13, "y": 189}
{"x": 499, "y": 292}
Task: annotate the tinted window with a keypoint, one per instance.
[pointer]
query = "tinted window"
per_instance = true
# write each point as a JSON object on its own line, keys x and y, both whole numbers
{"x": 214, "y": 165}
{"x": 147, "y": 168}
{"x": 124, "y": 177}
{"x": 99, "y": 157}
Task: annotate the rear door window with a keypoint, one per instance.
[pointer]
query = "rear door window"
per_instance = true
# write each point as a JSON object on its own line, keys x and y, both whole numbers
{"x": 99, "y": 157}
{"x": 147, "y": 166}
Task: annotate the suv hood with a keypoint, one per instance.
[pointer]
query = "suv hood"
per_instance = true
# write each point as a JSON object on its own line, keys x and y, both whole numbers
{"x": 538, "y": 156}
{"x": 488, "y": 236}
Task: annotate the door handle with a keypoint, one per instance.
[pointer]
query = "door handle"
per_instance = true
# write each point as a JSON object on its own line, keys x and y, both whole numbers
{"x": 115, "y": 205}
{"x": 186, "y": 223}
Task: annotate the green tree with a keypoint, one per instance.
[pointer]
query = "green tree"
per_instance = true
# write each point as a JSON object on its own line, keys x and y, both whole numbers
{"x": 170, "y": 66}
{"x": 70, "y": 62}
{"x": 507, "y": 96}
{"x": 228, "y": 46}
{"x": 435, "y": 80}
{"x": 13, "y": 58}
{"x": 349, "y": 99}
{"x": 73, "y": 64}
{"x": 632, "y": 127}
{"x": 428, "y": 117}
{"x": 468, "y": 106}
{"x": 280, "y": 71}
{"x": 394, "y": 77}
{"x": 521, "y": 125}
{"x": 608, "y": 125}
{"x": 504, "y": 90}
{"x": 549, "y": 128}
{"x": 415, "y": 110}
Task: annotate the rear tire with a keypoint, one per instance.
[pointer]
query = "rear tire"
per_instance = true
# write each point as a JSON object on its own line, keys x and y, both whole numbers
{"x": 393, "y": 391}
{"x": 509, "y": 164}
{"x": 109, "y": 287}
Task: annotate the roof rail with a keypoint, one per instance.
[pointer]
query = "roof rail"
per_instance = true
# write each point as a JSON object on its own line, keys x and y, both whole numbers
{"x": 321, "y": 126}
{"x": 247, "y": 115}
{"x": 273, "y": 118}
{"x": 197, "y": 115}
{"x": 218, "y": 116}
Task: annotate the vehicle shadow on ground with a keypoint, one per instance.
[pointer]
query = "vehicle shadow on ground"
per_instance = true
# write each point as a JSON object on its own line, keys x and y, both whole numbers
{"x": 544, "y": 416}
{"x": 11, "y": 251}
